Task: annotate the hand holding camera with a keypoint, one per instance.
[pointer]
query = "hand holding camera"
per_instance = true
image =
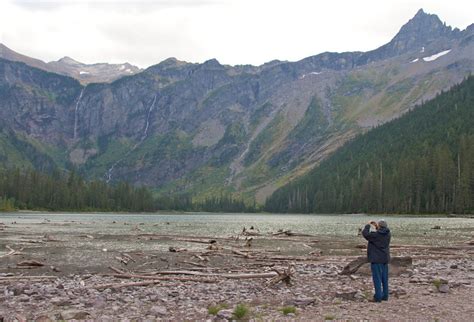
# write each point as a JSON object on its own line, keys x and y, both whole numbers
{"x": 373, "y": 223}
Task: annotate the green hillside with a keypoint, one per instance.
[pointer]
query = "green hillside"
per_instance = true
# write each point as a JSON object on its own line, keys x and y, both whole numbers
{"x": 422, "y": 162}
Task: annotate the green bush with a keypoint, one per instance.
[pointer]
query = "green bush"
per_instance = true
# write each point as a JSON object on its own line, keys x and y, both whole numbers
{"x": 214, "y": 309}
{"x": 241, "y": 311}
{"x": 288, "y": 309}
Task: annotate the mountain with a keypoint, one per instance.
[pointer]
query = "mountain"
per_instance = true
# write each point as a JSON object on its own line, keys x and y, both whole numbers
{"x": 94, "y": 73}
{"x": 209, "y": 128}
{"x": 419, "y": 163}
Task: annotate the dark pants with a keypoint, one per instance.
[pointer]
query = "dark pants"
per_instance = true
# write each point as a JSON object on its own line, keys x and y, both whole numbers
{"x": 380, "y": 278}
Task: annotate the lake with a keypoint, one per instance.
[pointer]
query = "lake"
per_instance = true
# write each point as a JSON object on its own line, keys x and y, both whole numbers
{"x": 405, "y": 229}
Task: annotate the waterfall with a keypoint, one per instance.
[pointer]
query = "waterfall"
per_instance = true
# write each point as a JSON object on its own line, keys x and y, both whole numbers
{"x": 109, "y": 173}
{"x": 75, "y": 112}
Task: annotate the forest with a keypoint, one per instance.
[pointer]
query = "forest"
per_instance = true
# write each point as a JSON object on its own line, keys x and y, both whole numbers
{"x": 422, "y": 162}
{"x": 28, "y": 189}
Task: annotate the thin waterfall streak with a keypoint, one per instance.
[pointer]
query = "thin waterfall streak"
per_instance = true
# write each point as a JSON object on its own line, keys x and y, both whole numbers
{"x": 144, "y": 136}
{"x": 145, "y": 132}
{"x": 75, "y": 113}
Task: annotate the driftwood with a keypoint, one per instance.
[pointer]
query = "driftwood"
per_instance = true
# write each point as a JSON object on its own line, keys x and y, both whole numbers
{"x": 201, "y": 258}
{"x": 194, "y": 264}
{"x": 176, "y": 249}
{"x": 237, "y": 252}
{"x": 122, "y": 260}
{"x": 396, "y": 264}
{"x": 26, "y": 278}
{"x": 30, "y": 263}
{"x": 194, "y": 273}
{"x": 152, "y": 281}
{"x": 17, "y": 278}
{"x": 290, "y": 233}
{"x": 283, "y": 275}
{"x": 50, "y": 238}
{"x": 116, "y": 270}
{"x": 12, "y": 251}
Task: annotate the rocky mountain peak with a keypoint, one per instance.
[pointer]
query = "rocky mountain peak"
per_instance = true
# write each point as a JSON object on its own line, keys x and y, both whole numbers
{"x": 69, "y": 61}
{"x": 419, "y": 31}
{"x": 212, "y": 63}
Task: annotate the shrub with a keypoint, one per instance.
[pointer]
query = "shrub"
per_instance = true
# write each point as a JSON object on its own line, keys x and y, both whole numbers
{"x": 214, "y": 309}
{"x": 288, "y": 309}
{"x": 240, "y": 311}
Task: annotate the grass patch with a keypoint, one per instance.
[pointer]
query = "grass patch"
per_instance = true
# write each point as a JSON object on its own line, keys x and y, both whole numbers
{"x": 329, "y": 317}
{"x": 241, "y": 311}
{"x": 437, "y": 282}
{"x": 288, "y": 309}
{"x": 214, "y": 309}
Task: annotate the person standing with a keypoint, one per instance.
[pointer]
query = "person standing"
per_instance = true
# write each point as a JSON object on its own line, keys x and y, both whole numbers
{"x": 378, "y": 254}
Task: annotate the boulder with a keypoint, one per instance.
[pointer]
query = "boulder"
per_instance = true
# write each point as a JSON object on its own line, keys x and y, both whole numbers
{"x": 74, "y": 315}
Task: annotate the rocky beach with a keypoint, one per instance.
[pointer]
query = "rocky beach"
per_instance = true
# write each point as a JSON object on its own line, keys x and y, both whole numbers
{"x": 56, "y": 269}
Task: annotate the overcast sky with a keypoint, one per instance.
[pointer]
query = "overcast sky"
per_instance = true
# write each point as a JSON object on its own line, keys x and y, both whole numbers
{"x": 145, "y": 32}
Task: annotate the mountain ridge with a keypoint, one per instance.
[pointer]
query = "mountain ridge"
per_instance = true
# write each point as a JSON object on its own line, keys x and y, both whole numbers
{"x": 207, "y": 128}
{"x": 67, "y": 66}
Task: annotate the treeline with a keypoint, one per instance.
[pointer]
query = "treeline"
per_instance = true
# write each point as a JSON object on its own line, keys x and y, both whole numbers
{"x": 32, "y": 190}
{"x": 27, "y": 189}
{"x": 422, "y": 162}
{"x": 225, "y": 202}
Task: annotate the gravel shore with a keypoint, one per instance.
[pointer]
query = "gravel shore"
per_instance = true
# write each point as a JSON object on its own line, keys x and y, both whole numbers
{"x": 85, "y": 279}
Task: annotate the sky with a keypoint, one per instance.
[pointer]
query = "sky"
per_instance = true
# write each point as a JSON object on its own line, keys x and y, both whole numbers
{"x": 145, "y": 32}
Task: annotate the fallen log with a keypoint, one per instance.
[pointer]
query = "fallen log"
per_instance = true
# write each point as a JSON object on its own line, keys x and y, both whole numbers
{"x": 31, "y": 263}
{"x": 176, "y": 249}
{"x": 155, "y": 280}
{"x": 237, "y": 252}
{"x": 397, "y": 265}
{"x": 194, "y": 273}
{"x": 194, "y": 264}
{"x": 116, "y": 270}
{"x": 18, "y": 278}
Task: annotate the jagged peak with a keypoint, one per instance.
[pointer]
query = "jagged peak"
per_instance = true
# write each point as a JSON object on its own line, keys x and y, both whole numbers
{"x": 421, "y": 21}
{"x": 420, "y": 12}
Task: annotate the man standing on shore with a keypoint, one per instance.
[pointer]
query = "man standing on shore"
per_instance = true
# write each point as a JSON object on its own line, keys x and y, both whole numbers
{"x": 378, "y": 254}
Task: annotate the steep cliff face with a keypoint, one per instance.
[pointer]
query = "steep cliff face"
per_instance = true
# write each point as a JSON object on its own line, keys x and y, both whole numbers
{"x": 208, "y": 127}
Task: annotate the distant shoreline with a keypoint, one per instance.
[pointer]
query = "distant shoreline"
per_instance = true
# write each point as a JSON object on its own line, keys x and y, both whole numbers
{"x": 174, "y": 212}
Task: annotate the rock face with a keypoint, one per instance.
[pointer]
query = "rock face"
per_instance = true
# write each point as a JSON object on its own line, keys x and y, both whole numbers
{"x": 185, "y": 127}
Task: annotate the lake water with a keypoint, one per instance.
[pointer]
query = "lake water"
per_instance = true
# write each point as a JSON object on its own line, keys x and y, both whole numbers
{"x": 405, "y": 229}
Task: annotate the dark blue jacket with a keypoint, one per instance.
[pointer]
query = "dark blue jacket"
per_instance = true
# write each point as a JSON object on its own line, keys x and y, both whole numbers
{"x": 378, "y": 249}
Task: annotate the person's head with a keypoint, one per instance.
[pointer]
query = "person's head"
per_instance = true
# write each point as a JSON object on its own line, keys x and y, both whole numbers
{"x": 382, "y": 224}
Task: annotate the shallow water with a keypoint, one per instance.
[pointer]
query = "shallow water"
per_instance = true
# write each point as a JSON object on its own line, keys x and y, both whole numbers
{"x": 405, "y": 229}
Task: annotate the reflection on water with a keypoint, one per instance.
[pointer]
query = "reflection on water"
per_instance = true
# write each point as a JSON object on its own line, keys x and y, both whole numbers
{"x": 405, "y": 229}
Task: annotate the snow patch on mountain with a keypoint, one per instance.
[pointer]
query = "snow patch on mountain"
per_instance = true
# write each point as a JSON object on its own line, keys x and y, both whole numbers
{"x": 436, "y": 56}
{"x": 312, "y": 73}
